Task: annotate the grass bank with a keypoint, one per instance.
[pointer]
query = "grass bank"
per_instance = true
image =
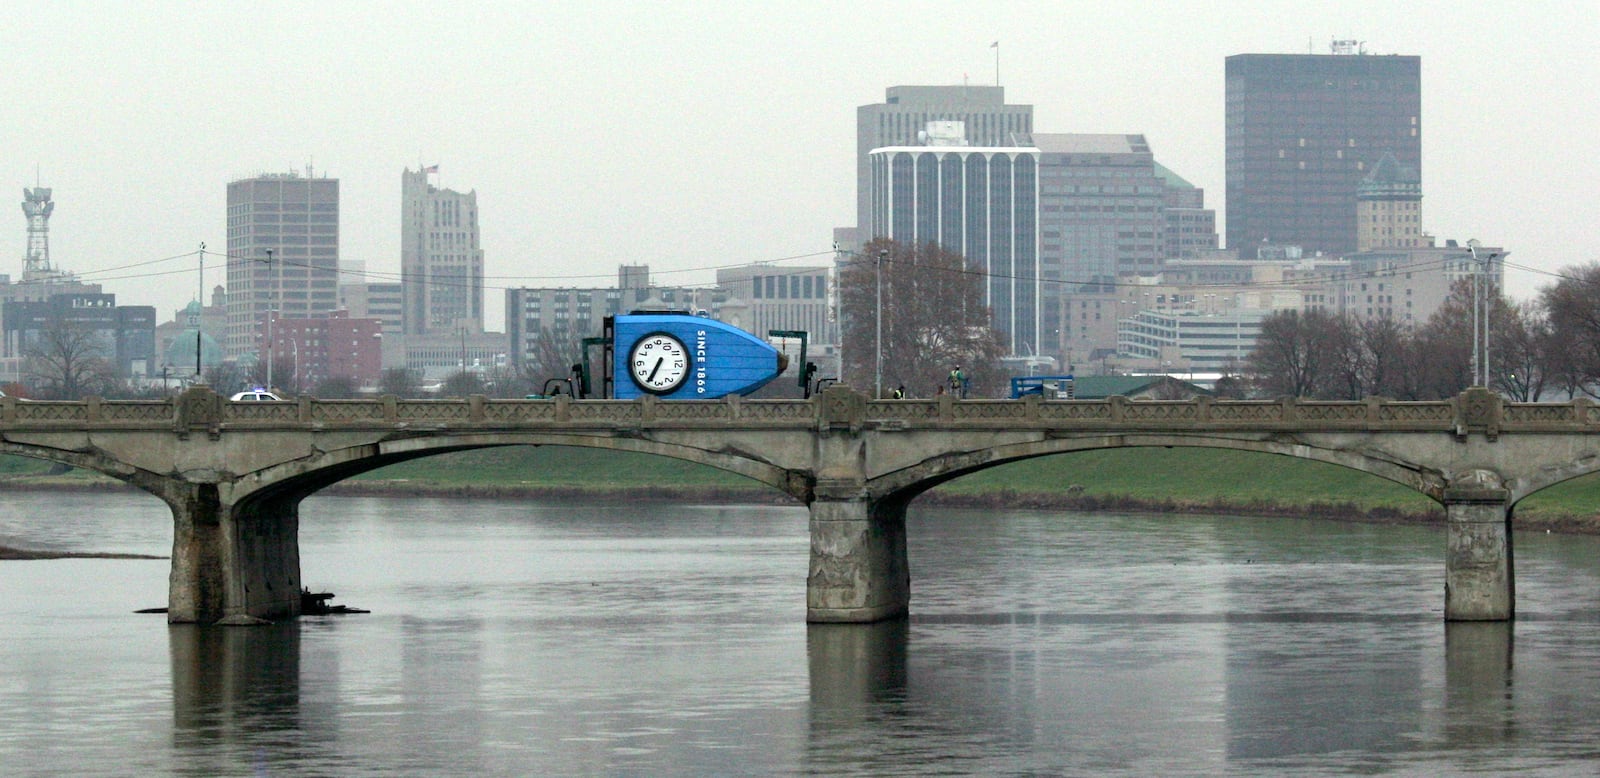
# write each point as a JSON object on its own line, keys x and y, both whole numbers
{"x": 1156, "y": 479}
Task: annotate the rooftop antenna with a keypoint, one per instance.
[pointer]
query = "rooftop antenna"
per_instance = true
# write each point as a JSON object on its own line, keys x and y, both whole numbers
{"x": 37, "y": 206}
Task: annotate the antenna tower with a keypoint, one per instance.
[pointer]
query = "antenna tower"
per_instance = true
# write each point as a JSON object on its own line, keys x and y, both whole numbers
{"x": 36, "y": 205}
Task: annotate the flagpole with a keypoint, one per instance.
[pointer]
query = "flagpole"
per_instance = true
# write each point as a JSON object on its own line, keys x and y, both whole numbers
{"x": 996, "y": 47}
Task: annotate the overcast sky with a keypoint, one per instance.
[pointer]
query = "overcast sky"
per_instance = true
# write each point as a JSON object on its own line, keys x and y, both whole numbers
{"x": 690, "y": 135}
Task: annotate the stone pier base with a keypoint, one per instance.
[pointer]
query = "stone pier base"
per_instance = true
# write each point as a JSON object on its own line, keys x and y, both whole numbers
{"x": 858, "y": 561}
{"x": 232, "y": 561}
{"x": 1478, "y": 579}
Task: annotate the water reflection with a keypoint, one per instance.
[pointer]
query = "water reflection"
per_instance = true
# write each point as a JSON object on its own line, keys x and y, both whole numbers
{"x": 511, "y": 639}
{"x": 858, "y": 691}
{"x": 442, "y": 726}
{"x": 1477, "y": 690}
{"x": 856, "y": 667}
{"x": 235, "y": 690}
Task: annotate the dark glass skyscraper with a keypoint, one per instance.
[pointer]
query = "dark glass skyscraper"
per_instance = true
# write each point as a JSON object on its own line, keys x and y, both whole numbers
{"x": 1303, "y": 130}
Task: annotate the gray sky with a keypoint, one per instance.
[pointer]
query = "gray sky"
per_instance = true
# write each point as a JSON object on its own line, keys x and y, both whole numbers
{"x": 695, "y": 134}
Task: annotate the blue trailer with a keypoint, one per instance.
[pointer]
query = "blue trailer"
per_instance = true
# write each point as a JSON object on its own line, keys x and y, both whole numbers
{"x": 1050, "y": 387}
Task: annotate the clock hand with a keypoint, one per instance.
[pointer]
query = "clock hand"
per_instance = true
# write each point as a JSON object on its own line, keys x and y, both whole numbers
{"x": 653, "y": 370}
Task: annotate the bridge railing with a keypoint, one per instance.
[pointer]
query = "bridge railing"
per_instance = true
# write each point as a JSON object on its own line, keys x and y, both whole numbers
{"x": 1473, "y": 410}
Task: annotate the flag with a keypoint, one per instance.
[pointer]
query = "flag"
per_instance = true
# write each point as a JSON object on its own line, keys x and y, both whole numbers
{"x": 995, "y": 45}
{"x": 431, "y": 169}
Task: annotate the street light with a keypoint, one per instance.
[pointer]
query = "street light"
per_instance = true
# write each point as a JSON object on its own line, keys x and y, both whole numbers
{"x": 199, "y": 299}
{"x": 1482, "y": 283}
{"x": 270, "y": 312}
{"x": 877, "y": 384}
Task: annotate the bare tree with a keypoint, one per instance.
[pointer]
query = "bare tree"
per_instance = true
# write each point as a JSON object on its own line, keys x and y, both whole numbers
{"x": 934, "y": 319}
{"x": 339, "y": 387}
{"x": 1572, "y": 308}
{"x": 462, "y": 384}
{"x": 1387, "y": 348}
{"x": 225, "y": 378}
{"x": 1294, "y": 352}
{"x": 68, "y": 360}
{"x": 1445, "y": 342}
{"x": 554, "y": 352}
{"x": 400, "y": 382}
{"x": 1521, "y": 337}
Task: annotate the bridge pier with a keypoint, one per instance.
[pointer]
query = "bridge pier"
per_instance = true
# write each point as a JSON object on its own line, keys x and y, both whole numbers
{"x": 858, "y": 559}
{"x": 1478, "y": 574}
{"x": 232, "y": 561}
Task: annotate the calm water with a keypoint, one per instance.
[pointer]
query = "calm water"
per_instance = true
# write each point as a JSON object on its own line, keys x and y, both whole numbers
{"x": 512, "y": 639}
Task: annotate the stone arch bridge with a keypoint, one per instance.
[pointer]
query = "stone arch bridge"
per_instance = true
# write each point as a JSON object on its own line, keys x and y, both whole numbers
{"x": 234, "y": 473}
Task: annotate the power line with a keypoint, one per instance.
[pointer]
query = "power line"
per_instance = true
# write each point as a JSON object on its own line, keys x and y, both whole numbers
{"x": 855, "y": 257}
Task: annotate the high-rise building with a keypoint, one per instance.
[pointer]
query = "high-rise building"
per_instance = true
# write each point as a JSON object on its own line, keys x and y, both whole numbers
{"x": 1191, "y": 226}
{"x": 1389, "y": 208}
{"x": 906, "y": 112}
{"x": 1303, "y": 130}
{"x": 979, "y": 201}
{"x": 283, "y": 253}
{"x": 1107, "y": 210}
{"x": 441, "y": 264}
{"x": 1101, "y": 212}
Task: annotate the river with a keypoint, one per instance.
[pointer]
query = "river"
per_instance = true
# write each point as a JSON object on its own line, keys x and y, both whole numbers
{"x": 538, "y": 639}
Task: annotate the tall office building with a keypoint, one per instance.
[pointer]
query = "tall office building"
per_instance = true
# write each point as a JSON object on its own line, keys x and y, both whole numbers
{"x": 1303, "y": 130}
{"x": 906, "y": 112}
{"x": 1101, "y": 211}
{"x": 979, "y": 201}
{"x": 441, "y": 264}
{"x": 1107, "y": 210}
{"x": 1191, "y": 226}
{"x": 283, "y": 253}
{"x": 1389, "y": 208}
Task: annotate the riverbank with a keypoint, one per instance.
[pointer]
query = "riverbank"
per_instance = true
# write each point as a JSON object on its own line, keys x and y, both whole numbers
{"x": 1147, "y": 480}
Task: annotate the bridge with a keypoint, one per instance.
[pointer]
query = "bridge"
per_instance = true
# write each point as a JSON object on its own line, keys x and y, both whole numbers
{"x": 234, "y": 474}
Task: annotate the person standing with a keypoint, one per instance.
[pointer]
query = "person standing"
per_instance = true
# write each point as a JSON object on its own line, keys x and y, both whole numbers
{"x": 958, "y": 383}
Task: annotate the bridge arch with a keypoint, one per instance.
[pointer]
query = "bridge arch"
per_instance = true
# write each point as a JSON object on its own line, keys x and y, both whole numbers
{"x": 303, "y": 477}
{"x": 905, "y": 484}
{"x": 1546, "y": 478}
{"x": 99, "y": 462}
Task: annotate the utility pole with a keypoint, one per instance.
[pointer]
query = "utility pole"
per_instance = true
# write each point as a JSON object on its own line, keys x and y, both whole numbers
{"x": 270, "y": 316}
{"x": 877, "y": 383}
{"x": 200, "y": 315}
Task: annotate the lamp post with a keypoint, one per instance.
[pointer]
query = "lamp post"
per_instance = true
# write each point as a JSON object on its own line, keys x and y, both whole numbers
{"x": 199, "y": 299}
{"x": 1482, "y": 283}
{"x": 877, "y": 383}
{"x": 277, "y": 290}
{"x": 272, "y": 313}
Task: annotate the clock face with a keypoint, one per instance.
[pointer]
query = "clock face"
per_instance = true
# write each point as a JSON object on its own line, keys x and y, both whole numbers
{"x": 659, "y": 363}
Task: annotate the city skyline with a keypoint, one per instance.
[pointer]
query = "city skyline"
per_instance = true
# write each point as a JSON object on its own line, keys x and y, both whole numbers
{"x": 705, "y": 134}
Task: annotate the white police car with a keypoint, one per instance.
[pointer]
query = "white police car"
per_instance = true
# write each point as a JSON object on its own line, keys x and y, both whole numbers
{"x": 255, "y": 395}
